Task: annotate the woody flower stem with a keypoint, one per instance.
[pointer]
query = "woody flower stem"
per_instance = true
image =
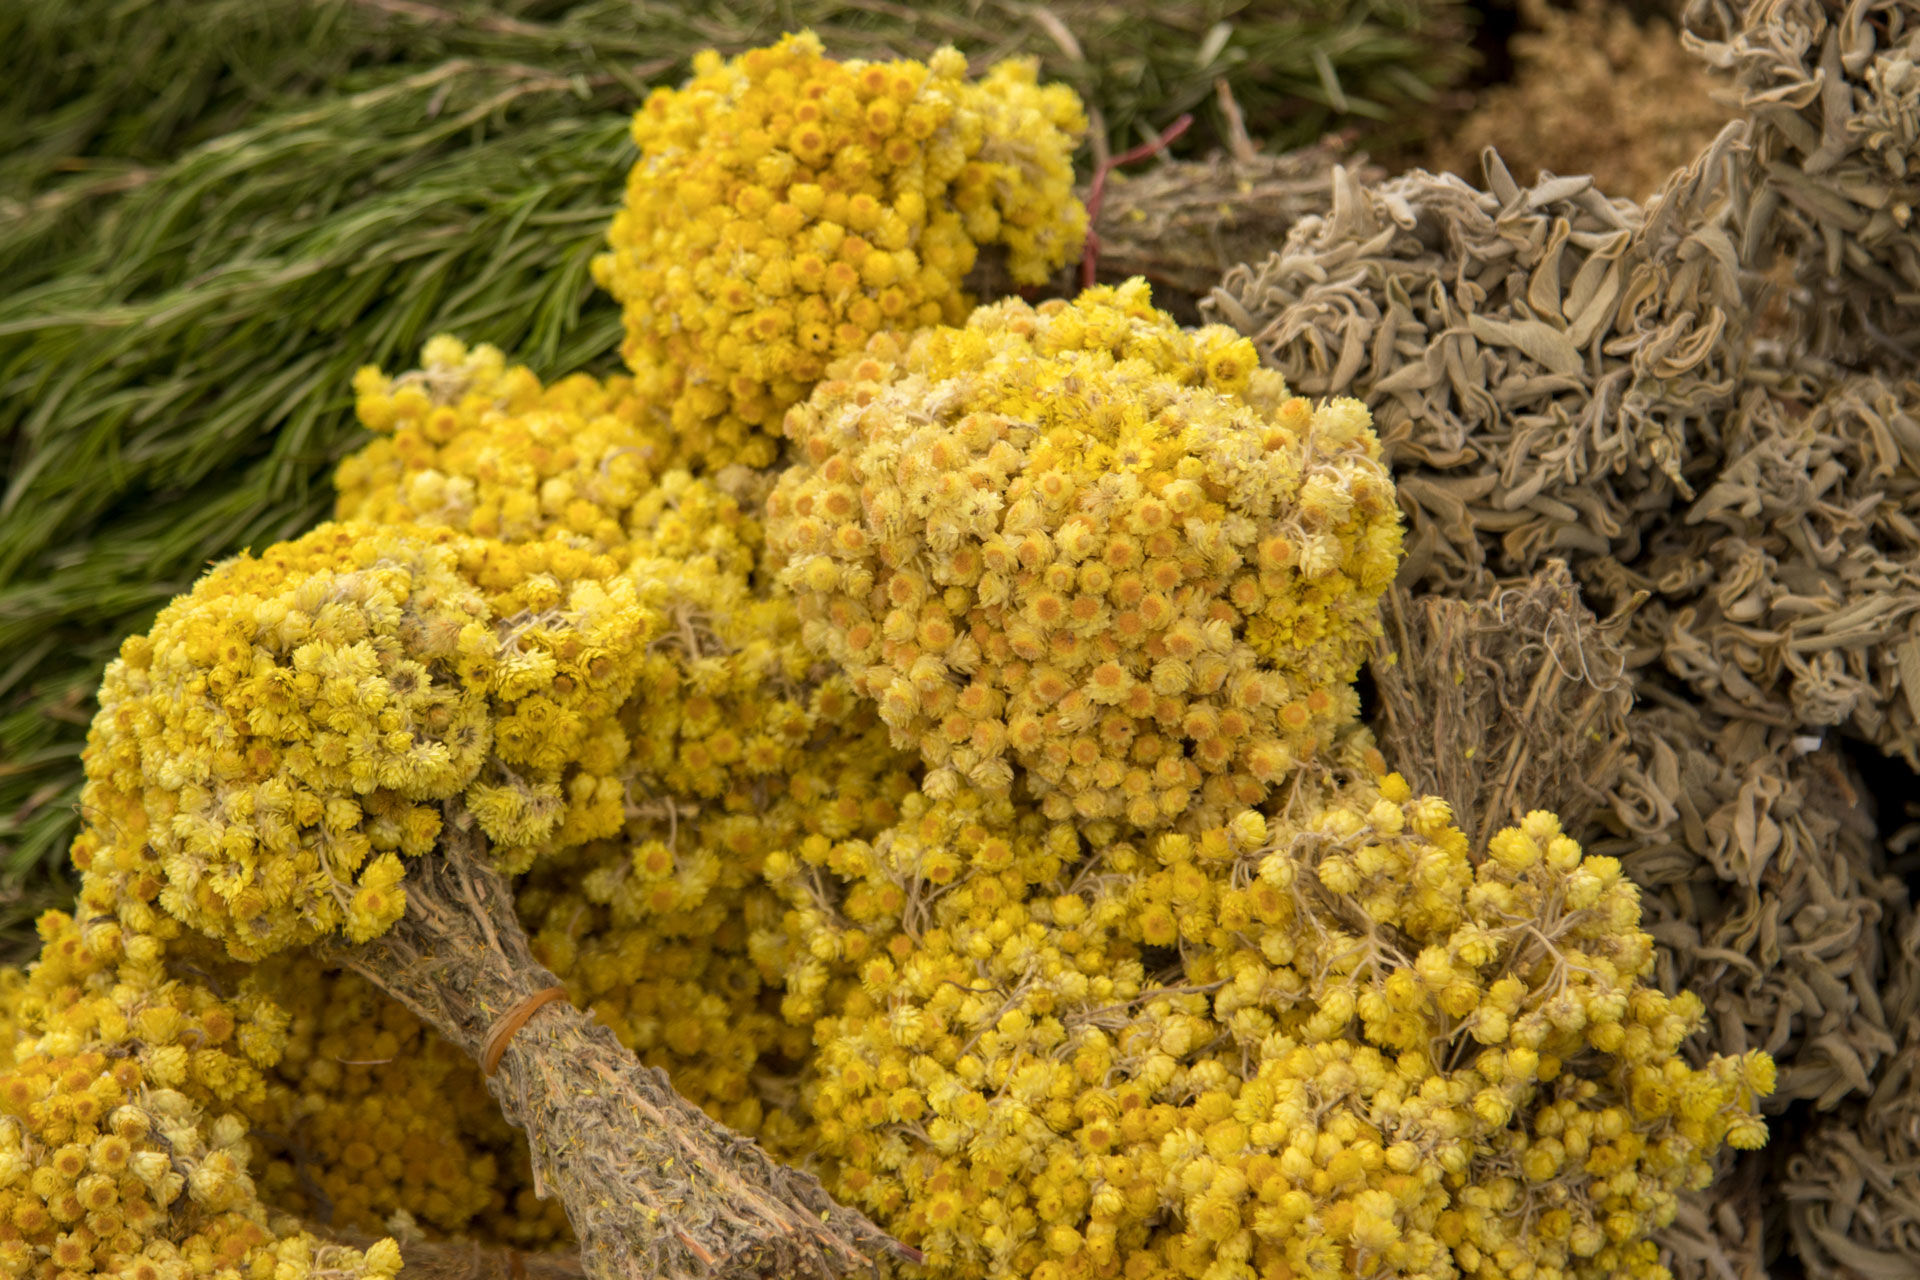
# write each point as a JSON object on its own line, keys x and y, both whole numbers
{"x": 653, "y": 1187}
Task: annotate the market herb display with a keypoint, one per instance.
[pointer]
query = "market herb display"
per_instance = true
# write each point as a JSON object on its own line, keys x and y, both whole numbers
{"x": 930, "y": 732}
{"x": 465, "y": 695}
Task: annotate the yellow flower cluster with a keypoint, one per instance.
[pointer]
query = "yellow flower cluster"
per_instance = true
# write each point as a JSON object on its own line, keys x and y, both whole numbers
{"x": 738, "y": 740}
{"x": 368, "y": 1113}
{"x": 664, "y": 932}
{"x": 786, "y": 206}
{"x": 466, "y": 443}
{"x": 123, "y": 1147}
{"x": 1212, "y": 995}
{"x": 1316, "y": 1043}
{"x": 1080, "y": 539}
{"x": 742, "y": 742}
{"x": 267, "y": 752}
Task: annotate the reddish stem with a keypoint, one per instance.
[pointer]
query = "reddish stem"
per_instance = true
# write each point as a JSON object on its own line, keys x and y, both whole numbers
{"x": 1095, "y": 192}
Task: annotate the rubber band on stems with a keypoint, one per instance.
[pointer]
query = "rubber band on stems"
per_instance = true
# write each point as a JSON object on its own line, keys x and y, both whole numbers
{"x": 511, "y": 1021}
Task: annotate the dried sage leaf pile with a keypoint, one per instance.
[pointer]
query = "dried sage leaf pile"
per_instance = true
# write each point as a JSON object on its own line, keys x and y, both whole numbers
{"x": 1853, "y": 1190}
{"x": 1833, "y": 91}
{"x": 1767, "y": 888}
{"x": 1789, "y": 591}
{"x": 1546, "y": 366}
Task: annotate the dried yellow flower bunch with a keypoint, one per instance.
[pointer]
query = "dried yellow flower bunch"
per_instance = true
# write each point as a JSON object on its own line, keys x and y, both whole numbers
{"x": 368, "y": 1112}
{"x": 738, "y": 740}
{"x": 786, "y": 206}
{"x": 469, "y": 443}
{"x": 265, "y": 754}
{"x": 1370, "y": 1058}
{"x": 123, "y": 1132}
{"x": 742, "y": 743}
{"x": 1080, "y": 539}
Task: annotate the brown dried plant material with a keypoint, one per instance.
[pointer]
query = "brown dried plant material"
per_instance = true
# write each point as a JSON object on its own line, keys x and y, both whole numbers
{"x": 653, "y": 1187}
{"x": 1833, "y": 89}
{"x": 1853, "y": 1191}
{"x": 1724, "y": 1232}
{"x": 1182, "y": 223}
{"x": 1767, "y": 888}
{"x": 1789, "y": 591}
{"x": 1594, "y": 91}
{"x": 1513, "y": 701}
{"x": 458, "y": 1260}
{"x": 1546, "y": 366}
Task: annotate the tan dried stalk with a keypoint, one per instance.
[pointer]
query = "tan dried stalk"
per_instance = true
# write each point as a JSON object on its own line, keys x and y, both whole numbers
{"x": 653, "y": 1187}
{"x": 1514, "y": 701}
{"x": 1182, "y": 223}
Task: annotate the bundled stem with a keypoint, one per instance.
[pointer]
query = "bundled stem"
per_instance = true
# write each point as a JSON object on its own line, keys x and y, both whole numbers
{"x": 652, "y": 1185}
{"x": 1512, "y": 701}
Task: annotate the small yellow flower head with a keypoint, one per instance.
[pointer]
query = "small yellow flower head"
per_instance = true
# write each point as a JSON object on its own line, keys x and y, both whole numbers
{"x": 1081, "y": 540}
{"x": 1405, "y": 1066}
{"x": 125, "y": 1111}
{"x": 786, "y": 206}
{"x": 468, "y": 444}
{"x": 284, "y": 730}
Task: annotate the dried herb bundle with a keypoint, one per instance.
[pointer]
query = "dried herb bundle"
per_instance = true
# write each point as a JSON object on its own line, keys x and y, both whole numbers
{"x": 1766, "y": 886}
{"x": 1513, "y": 701}
{"x": 1833, "y": 90}
{"x": 651, "y": 1184}
{"x": 1183, "y": 223}
{"x": 1851, "y": 1192}
{"x": 1545, "y": 365}
{"x": 1789, "y": 591}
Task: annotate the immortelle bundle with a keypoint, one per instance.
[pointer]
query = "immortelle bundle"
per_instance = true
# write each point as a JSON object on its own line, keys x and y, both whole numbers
{"x": 331, "y": 745}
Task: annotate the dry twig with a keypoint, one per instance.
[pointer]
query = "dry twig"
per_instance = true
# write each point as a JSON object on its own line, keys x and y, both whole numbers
{"x": 652, "y": 1186}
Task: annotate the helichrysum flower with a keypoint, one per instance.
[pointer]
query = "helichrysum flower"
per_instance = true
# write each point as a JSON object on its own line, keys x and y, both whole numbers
{"x": 786, "y": 206}
{"x": 735, "y": 738}
{"x": 124, "y": 1133}
{"x": 1364, "y": 1055}
{"x": 740, "y": 742}
{"x": 467, "y": 443}
{"x": 266, "y": 754}
{"x": 1080, "y": 540}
